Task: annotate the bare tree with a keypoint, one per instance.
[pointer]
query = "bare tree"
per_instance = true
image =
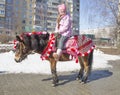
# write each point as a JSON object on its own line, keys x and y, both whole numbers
{"x": 106, "y": 11}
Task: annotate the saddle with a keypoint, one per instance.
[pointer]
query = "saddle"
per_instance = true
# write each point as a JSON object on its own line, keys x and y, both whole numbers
{"x": 78, "y": 45}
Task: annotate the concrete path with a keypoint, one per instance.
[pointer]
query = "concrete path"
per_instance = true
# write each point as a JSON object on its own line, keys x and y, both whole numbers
{"x": 101, "y": 82}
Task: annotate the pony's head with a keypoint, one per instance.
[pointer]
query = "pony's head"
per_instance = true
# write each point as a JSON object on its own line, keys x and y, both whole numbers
{"x": 30, "y": 44}
{"x": 22, "y": 48}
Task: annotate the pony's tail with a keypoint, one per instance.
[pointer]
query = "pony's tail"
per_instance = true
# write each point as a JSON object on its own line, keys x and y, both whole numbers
{"x": 90, "y": 60}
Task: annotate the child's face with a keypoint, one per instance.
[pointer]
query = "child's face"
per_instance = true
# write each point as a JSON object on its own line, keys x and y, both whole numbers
{"x": 62, "y": 12}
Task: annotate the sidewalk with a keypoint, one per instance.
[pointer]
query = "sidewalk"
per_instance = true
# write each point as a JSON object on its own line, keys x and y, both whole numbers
{"x": 101, "y": 82}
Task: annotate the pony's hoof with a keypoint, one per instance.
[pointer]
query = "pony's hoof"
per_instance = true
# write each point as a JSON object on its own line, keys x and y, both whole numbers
{"x": 54, "y": 85}
{"x": 82, "y": 82}
{"x": 77, "y": 79}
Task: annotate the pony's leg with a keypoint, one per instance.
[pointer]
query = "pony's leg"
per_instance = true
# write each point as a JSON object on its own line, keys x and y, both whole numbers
{"x": 53, "y": 71}
{"x": 86, "y": 69}
{"x": 88, "y": 60}
{"x": 80, "y": 74}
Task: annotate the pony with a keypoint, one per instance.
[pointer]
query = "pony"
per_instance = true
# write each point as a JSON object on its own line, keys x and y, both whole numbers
{"x": 40, "y": 42}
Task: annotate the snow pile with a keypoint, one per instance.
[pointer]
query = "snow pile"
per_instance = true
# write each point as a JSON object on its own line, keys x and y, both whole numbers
{"x": 33, "y": 63}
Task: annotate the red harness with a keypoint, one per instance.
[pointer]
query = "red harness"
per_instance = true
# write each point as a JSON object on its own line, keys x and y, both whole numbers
{"x": 49, "y": 48}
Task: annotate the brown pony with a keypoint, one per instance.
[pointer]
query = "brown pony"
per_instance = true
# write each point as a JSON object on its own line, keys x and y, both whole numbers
{"x": 37, "y": 43}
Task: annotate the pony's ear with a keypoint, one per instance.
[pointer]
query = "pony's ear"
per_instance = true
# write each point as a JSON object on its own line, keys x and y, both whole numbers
{"x": 47, "y": 35}
{"x": 18, "y": 38}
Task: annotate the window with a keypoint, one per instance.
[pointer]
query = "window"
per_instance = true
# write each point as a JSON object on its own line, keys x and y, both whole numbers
{"x": 2, "y": 5}
{"x": 7, "y": 32}
{"x": 55, "y": 4}
{"x": 23, "y": 28}
{"x": 2, "y": 0}
{"x": 1, "y": 32}
{"x": 8, "y": 13}
{"x": 24, "y": 16}
{"x": 2, "y": 18}
{"x": 1, "y": 25}
{"x": 8, "y": 26}
{"x": 17, "y": 2}
{"x": 48, "y": 23}
{"x": 16, "y": 9}
{"x": 30, "y": 22}
{"x": 9, "y": 1}
{"x": 30, "y": 5}
{"x": 8, "y": 20}
{"x": 9, "y": 7}
{"x": 37, "y": 17}
{"x": 30, "y": 17}
{"x": 23, "y": 21}
{"x": 2, "y": 12}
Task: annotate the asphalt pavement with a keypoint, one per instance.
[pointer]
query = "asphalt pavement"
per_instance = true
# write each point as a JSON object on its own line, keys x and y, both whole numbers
{"x": 101, "y": 82}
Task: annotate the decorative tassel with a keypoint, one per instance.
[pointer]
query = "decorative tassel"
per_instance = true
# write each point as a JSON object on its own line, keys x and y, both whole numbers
{"x": 76, "y": 60}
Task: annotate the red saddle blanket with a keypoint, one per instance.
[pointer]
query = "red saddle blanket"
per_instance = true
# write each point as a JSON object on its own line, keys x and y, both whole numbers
{"x": 79, "y": 45}
{"x": 76, "y": 46}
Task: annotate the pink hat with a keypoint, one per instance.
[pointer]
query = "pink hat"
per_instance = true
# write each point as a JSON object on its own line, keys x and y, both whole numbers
{"x": 62, "y": 7}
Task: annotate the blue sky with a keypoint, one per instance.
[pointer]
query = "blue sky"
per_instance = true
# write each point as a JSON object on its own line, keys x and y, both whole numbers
{"x": 89, "y": 17}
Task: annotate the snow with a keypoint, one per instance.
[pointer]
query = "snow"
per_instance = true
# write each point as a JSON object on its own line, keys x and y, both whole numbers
{"x": 33, "y": 63}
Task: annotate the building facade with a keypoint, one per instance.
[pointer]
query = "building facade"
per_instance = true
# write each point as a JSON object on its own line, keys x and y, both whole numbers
{"x": 19, "y": 12}
{"x": 35, "y": 15}
{"x": 19, "y": 16}
{"x": 2, "y": 16}
{"x": 74, "y": 10}
{"x": 40, "y": 15}
{"x": 52, "y": 14}
{"x": 99, "y": 32}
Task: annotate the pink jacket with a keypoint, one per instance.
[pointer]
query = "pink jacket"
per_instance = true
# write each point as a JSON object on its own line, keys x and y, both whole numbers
{"x": 65, "y": 26}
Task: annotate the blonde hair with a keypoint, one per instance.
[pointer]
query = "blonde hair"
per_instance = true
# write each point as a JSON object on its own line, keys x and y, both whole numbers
{"x": 58, "y": 20}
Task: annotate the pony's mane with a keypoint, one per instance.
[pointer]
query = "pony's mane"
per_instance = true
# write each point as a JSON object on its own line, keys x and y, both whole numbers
{"x": 36, "y": 42}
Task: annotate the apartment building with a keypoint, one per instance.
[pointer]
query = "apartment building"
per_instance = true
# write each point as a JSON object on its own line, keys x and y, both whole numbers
{"x": 52, "y": 14}
{"x": 35, "y": 18}
{"x": 12, "y": 17}
{"x": 40, "y": 15}
{"x": 19, "y": 12}
{"x": 73, "y": 9}
{"x": 24, "y": 12}
{"x": 2, "y": 16}
{"x": 34, "y": 15}
{"x": 17, "y": 16}
{"x": 9, "y": 17}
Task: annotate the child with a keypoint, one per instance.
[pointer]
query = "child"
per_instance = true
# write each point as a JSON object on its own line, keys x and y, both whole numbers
{"x": 63, "y": 27}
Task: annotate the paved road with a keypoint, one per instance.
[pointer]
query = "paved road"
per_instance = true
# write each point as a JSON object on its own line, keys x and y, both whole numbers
{"x": 101, "y": 82}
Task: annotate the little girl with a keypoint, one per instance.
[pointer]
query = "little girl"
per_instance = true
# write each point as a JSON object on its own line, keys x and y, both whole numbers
{"x": 63, "y": 27}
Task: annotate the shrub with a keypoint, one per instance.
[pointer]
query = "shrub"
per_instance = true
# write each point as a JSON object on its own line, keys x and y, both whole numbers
{"x": 5, "y": 38}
